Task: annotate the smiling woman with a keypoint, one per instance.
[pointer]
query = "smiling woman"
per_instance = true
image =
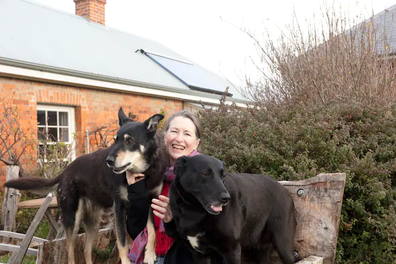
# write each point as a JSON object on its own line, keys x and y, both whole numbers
{"x": 181, "y": 136}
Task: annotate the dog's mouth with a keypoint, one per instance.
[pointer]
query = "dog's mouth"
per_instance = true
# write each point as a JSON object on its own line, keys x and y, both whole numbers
{"x": 119, "y": 170}
{"x": 214, "y": 209}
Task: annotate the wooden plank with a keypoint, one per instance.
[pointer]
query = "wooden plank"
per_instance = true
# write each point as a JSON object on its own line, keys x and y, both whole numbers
{"x": 15, "y": 248}
{"x": 18, "y": 256}
{"x": 311, "y": 260}
{"x": 36, "y": 203}
{"x": 318, "y": 202}
{"x": 21, "y": 236}
{"x": 10, "y": 201}
{"x": 51, "y": 220}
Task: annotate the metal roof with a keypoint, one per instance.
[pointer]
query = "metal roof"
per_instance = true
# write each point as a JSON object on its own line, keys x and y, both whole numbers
{"x": 384, "y": 26}
{"x": 37, "y": 35}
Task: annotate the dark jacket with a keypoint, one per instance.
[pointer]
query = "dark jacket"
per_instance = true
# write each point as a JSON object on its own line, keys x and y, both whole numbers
{"x": 137, "y": 214}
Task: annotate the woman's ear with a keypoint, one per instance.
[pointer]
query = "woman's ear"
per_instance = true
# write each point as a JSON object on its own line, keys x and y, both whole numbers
{"x": 197, "y": 144}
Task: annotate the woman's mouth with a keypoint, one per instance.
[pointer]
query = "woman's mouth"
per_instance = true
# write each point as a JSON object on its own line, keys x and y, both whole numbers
{"x": 178, "y": 147}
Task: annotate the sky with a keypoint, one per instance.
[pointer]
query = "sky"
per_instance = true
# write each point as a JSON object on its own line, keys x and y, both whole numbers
{"x": 208, "y": 31}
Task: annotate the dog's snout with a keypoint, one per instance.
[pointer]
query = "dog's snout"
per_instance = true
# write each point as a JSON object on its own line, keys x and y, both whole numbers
{"x": 225, "y": 198}
{"x": 110, "y": 161}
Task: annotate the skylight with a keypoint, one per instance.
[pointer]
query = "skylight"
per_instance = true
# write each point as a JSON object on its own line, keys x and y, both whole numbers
{"x": 192, "y": 76}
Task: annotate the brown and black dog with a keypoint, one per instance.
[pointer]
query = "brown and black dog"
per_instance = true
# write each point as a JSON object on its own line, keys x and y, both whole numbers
{"x": 96, "y": 181}
{"x": 230, "y": 217}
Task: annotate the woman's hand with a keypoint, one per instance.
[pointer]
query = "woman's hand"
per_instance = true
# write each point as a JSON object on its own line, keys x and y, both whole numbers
{"x": 161, "y": 208}
{"x": 134, "y": 177}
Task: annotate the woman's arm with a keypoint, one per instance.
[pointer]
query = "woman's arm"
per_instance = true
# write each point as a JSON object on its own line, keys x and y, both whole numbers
{"x": 137, "y": 211}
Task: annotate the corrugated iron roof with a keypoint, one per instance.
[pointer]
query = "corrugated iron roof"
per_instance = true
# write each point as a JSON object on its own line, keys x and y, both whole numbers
{"x": 33, "y": 33}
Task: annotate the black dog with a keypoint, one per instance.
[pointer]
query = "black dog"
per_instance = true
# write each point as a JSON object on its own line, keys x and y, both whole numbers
{"x": 236, "y": 216}
{"x": 88, "y": 184}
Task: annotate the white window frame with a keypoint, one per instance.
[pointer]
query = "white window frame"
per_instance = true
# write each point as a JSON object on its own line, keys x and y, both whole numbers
{"x": 71, "y": 121}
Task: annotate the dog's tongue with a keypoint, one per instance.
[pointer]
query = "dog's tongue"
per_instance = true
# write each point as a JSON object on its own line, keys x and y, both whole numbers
{"x": 217, "y": 208}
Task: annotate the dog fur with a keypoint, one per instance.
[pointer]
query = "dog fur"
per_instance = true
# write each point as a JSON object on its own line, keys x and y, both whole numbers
{"x": 231, "y": 217}
{"x": 96, "y": 181}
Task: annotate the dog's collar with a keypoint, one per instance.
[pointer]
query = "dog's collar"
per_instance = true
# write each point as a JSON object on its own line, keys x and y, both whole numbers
{"x": 183, "y": 194}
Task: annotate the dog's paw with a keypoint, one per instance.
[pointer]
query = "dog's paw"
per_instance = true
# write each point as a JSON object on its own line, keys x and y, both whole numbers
{"x": 149, "y": 257}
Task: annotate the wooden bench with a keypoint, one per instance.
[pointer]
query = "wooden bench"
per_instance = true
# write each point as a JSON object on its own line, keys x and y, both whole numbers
{"x": 318, "y": 203}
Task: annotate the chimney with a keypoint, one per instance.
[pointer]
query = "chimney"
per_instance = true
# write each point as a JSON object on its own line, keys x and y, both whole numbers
{"x": 94, "y": 10}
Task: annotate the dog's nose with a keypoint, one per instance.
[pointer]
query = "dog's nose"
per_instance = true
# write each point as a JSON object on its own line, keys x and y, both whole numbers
{"x": 225, "y": 198}
{"x": 110, "y": 161}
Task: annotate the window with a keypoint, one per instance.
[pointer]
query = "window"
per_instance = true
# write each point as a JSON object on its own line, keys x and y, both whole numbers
{"x": 56, "y": 127}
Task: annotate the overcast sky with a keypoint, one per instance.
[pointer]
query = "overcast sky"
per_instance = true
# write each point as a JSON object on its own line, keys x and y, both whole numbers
{"x": 202, "y": 30}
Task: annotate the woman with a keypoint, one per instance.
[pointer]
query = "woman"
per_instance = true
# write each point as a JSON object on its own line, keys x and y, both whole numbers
{"x": 181, "y": 138}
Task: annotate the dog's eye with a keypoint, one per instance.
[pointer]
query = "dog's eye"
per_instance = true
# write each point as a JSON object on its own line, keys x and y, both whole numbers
{"x": 129, "y": 140}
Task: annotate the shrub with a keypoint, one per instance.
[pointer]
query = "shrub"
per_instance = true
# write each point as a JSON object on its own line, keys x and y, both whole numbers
{"x": 295, "y": 144}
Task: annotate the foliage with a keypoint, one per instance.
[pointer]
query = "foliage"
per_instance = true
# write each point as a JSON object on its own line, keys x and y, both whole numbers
{"x": 25, "y": 217}
{"x": 324, "y": 102}
{"x": 293, "y": 144}
{"x": 13, "y": 140}
{"x": 106, "y": 253}
{"x": 334, "y": 59}
{"x": 26, "y": 260}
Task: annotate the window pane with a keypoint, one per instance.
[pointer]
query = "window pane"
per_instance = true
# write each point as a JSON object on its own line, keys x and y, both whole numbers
{"x": 63, "y": 119}
{"x": 41, "y": 133}
{"x": 52, "y": 120}
{"x": 41, "y": 117}
{"x": 53, "y": 134}
{"x": 43, "y": 151}
{"x": 64, "y": 134}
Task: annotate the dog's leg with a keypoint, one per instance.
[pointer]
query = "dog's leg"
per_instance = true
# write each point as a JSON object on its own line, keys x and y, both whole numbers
{"x": 119, "y": 215}
{"x": 284, "y": 246}
{"x": 283, "y": 242}
{"x": 71, "y": 221}
{"x": 149, "y": 255}
{"x": 91, "y": 223}
{"x": 234, "y": 255}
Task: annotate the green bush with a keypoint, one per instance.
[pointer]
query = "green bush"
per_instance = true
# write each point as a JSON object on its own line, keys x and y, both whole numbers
{"x": 294, "y": 144}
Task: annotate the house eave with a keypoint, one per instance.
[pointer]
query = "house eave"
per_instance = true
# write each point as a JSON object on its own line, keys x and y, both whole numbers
{"x": 39, "y": 72}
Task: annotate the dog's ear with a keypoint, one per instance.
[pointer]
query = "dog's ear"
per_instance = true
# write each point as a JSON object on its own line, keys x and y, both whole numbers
{"x": 122, "y": 118}
{"x": 180, "y": 165}
{"x": 152, "y": 123}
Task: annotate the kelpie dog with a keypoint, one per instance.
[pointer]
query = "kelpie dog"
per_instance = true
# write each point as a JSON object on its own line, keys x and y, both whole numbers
{"x": 230, "y": 217}
{"x": 97, "y": 180}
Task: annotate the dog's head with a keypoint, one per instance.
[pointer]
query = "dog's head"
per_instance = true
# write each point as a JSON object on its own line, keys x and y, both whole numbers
{"x": 203, "y": 177}
{"x": 134, "y": 144}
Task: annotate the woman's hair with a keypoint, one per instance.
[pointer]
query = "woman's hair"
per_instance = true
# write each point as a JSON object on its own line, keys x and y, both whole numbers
{"x": 186, "y": 114}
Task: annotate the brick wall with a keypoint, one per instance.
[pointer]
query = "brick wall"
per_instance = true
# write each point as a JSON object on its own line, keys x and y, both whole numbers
{"x": 93, "y": 108}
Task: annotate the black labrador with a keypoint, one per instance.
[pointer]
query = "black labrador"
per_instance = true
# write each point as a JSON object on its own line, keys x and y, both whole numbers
{"x": 230, "y": 217}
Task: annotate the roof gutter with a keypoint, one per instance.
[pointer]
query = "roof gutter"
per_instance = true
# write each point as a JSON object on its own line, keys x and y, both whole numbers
{"x": 39, "y": 72}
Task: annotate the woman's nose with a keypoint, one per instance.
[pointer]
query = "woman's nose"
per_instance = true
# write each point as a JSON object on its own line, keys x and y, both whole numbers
{"x": 179, "y": 137}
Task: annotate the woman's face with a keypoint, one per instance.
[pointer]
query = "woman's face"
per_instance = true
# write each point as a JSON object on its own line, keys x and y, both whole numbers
{"x": 180, "y": 139}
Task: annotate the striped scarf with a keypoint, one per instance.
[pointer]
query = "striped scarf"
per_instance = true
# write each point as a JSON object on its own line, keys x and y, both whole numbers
{"x": 136, "y": 253}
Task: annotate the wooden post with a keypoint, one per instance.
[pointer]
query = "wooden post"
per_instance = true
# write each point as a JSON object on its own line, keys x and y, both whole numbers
{"x": 10, "y": 202}
{"x": 318, "y": 202}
